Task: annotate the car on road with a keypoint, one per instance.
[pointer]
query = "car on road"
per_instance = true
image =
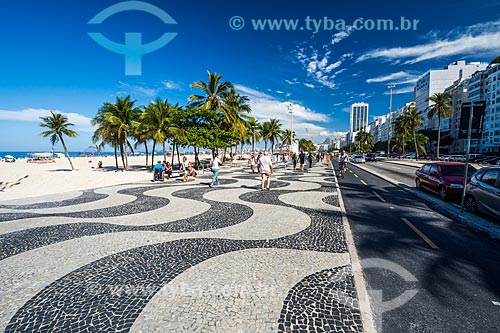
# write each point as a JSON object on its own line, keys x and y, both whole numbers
{"x": 358, "y": 159}
{"x": 483, "y": 192}
{"x": 443, "y": 178}
{"x": 371, "y": 157}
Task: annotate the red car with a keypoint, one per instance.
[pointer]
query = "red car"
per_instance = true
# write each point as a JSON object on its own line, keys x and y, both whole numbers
{"x": 443, "y": 178}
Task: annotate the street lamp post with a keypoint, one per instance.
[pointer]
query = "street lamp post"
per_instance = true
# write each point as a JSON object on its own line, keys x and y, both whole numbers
{"x": 290, "y": 111}
{"x": 390, "y": 87}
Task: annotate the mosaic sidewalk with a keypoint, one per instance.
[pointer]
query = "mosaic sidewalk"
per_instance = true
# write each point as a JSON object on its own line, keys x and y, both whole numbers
{"x": 180, "y": 257}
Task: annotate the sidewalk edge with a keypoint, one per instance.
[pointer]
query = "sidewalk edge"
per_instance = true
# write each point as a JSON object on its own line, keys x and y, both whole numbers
{"x": 357, "y": 271}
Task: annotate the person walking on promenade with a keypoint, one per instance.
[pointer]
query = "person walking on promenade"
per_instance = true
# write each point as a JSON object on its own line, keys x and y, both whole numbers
{"x": 302, "y": 160}
{"x": 285, "y": 160}
{"x": 294, "y": 161}
{"x": 310, "y": 159}
{"x": 215, "y": 164}
{"x": 265, "y": 170}
{"x": 185, "y": 168}
{"x": 251, "y": 163}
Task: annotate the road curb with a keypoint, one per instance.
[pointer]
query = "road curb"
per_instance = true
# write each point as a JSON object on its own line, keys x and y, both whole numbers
{"x": 472, "y": 221}
{"x": 357, "y": 271}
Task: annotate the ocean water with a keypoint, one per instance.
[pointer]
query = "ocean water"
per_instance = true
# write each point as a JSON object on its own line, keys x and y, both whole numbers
{"x": 25, "y": 154}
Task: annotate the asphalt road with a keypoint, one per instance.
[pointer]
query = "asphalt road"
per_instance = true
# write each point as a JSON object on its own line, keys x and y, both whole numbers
{"x": 424, "y": 272}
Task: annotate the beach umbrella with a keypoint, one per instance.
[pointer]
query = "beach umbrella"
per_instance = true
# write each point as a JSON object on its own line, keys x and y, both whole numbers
{"x": 9, "y": 156}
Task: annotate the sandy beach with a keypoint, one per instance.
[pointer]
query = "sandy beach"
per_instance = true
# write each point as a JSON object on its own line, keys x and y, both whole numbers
{"x": 21, "y": 179}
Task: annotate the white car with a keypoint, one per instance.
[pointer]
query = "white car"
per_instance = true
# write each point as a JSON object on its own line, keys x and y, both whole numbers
{"x": 358, "y": 159}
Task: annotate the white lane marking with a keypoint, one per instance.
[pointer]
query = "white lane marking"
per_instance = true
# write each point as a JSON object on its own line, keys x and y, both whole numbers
{"x": 355, "y": 175}
{"x": 378, "y": 196}
{"x": 397, "y": 168}
{"x": 363, "y": 182}
{"x": 420, "y": 233}
{"x": 495, "y": 303}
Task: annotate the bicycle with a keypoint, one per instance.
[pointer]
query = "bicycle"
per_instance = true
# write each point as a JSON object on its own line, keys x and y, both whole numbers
{"x": 342, "y": 169}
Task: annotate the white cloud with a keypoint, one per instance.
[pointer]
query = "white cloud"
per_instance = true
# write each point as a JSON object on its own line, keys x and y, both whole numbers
{"x": 171, "y": 85}
{"x": 309, "y": 85}
{"x": 280, "y": 92}
{"x": 265, "y": 107}
{"x": 331, "y": 67}
{"x": 81, "y": 122}
{"x": 394, "y": 77}
{"x": 293, "y": 81}
{"x": 480, "y": 38}
{"x": 400, "y": 91}
{"x": 341, "y": 35}
{"x": 333, "y": 135}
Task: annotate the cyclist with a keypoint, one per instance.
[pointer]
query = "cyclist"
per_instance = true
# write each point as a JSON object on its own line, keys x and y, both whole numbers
{"x": 343, "y": 159}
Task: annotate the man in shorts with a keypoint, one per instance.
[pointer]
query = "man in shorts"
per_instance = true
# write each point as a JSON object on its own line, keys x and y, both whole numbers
{"x": 343, "y": 159}
{"x": 265, "y": 170}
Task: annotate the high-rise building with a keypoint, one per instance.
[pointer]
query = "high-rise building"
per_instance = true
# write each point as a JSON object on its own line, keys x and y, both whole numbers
{"x": 437, "y": 80}
{"x": 359, "y": 118}
{"x": 491, "y": 130}
{"x": 451, "y": 126}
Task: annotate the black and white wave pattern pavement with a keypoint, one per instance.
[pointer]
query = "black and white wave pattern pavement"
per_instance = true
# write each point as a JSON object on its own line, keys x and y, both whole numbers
{"x": 180, "y": 257}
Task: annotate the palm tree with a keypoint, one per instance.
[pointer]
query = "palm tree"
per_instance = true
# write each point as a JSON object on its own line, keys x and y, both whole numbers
{"x": 235, "y": 109}
{"x": 273, "y": 132}
{"x": 254, "y": 130}
{"x": 415, "y": 119}
{"x": 158, "y": 119}
{"x": 402, "y": 128}
{"x": 214, "y": 91}
{"x": 122, "y": 116}
{"x": 105, "y": 133}
{"x": 442, "y": 109}
{"x": 365, "y": 140}
{"x": 57, "y": 125}
{"x": 288, "y": 137}
{"x": 264, "y": 132}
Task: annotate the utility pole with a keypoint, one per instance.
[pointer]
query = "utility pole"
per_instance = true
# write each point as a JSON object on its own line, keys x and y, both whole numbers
{"x": 389, "y": 119}
{"x": 253, "y": 141}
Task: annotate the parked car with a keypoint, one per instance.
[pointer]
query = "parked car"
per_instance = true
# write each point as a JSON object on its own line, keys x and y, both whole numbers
{"x": 358, "y": 159}
{"x": 483, "y": 192}
{"x": 443, "y": 178}
{"x": 370, "y": 157}
{"x": 490, "y": 160}
{"x": 476, "y": 158}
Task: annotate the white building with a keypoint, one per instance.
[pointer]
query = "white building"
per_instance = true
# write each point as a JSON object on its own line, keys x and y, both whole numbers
{"x": 491, "y": 130}
{"x": 359, "y": 118}
{"x": 437, "y": 80}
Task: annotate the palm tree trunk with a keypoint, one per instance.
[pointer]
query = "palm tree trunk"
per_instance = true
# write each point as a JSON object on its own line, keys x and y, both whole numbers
{"x": 66, "y": 151}
{"x": 241, "y": 149}
{"x": 164, "y": 151}
{"x": 131, "y": 147}
{"x": 173, "y": 152}
{"x": 116, "y": 156}
{"x": 123, "y": 157}
{"x": 439, "y": 136}
{"x": 153, "y": 155}
{"x": 147, "y": 154}
{"x": 178, "y": 156}
{"x": 196, "y": 158}
{"x": 415, "y": 142}
{"x": 404, "y": 140}
{"x": 272, "y": 149}
{"x": 125, "y": 165}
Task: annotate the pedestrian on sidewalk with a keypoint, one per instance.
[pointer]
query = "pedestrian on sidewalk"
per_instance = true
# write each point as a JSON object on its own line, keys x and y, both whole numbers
{"x": 215, "y": 164}
{"x": 310, "y": 160}
{"x": 294, "y": 161}
{"x": 265, "y": 170}
{"x": 302, "y": 160}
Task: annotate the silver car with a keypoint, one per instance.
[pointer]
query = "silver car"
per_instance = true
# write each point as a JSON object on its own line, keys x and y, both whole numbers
{"x": 483, "y": 192}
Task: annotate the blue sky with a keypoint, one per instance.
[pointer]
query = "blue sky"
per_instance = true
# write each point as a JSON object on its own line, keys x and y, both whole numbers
{"x": 49, "y": 62}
